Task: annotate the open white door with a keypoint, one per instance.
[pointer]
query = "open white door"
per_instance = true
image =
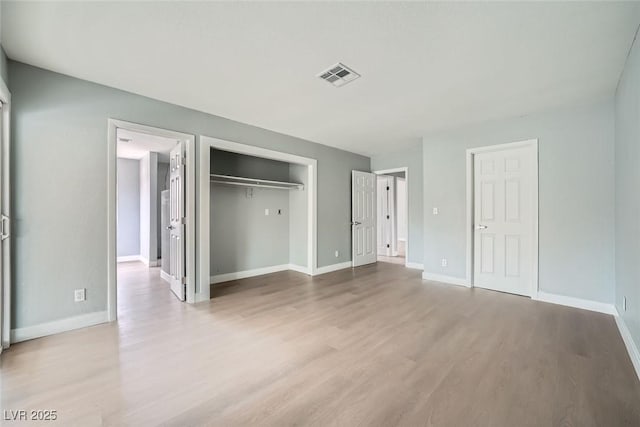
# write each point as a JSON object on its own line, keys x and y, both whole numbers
{"x": 363, "y": 218}
{"x": 177, "y": 222}
{"x": 504, "y": 220}
{"x": 5, "y": 228}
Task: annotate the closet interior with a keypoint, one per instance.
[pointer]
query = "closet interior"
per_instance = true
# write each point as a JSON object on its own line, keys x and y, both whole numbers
{"x": 258, "y": 216}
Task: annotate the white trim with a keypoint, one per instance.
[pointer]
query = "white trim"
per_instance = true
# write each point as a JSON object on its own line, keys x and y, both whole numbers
{"x": 190, "y": 153}
{"x": 450, "y": 280}
{"x": 632, "y": 348}
{"x": 299, "y": 269}
{"x": 58, "y": 326}
{"x": 5, "y": 280}
{"x": 415, "y": 265}
{"x": 332, "y": 267}
{"x": 532, "y": 143}
{"x": 584, "y": 304}
{"x": 203, "y": 242}
{"x": 219, "y": 278}
{"x": 129, "y": 258}
{"x": 165, "y": 276}
{"x": 148, "y": 263}
{"x": 404, "y": 169}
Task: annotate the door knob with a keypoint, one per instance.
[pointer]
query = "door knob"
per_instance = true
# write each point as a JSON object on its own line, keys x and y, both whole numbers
{"x": 481, "y": 227}
{"x": 355, "y": 223}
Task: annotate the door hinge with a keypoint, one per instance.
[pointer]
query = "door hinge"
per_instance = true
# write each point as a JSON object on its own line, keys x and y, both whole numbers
{"x": 183, "y": 220}
{"x": 184, "y": 281}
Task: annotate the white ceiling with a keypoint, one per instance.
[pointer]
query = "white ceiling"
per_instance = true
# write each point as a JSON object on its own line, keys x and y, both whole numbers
{"x": 424, "y": 66}
{"x": 135, "y": 145}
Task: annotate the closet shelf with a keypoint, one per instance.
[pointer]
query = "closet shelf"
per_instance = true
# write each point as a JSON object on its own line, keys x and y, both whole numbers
{"x": 254, "y": 182}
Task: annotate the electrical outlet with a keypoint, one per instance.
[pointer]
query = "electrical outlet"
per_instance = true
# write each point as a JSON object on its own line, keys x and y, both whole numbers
{"x": 266, "y": 212}
{"x": 337, "y": 254}
{"x": 79, "y": 295}
{"x": 435, "y": 211}
{"x": 444, "y": 262}
{"x": 624, "y": 303}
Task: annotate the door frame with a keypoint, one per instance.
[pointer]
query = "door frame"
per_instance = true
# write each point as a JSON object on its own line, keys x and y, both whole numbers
{"x": 112, "y": 174}
{"x": 404, "y": 169}
{"x": 5, "y": 280}
{"x": 204, "y": 196}
{"x": 470, "y": 153}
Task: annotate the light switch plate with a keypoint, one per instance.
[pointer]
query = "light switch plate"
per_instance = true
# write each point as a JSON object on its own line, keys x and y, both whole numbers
{"x": 444, "y": 262}
{"x": 266, "y": 212}
{"x": 435, "y": 211}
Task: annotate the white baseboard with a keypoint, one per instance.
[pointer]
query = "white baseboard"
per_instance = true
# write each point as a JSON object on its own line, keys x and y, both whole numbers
{"x": 299, "y": 268}
{"x": 632, "y": 348}
{"x": 445, "y": 279}
{"x": 148, "y": 263}
{"x": 332, "y": 267}
{"x": 129, "y": 258}
{"x": 165, "y": 276}
{"x": 58, "y": 326}
{"x": 415, "y": 265}
{"x": 219, "y": 278}
{"x": 584, "y": 304}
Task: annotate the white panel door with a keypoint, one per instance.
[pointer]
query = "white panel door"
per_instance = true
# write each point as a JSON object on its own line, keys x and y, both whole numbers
{"x": 383, "y": 215}
{"x": 177, "y": 221}
{"x": 363, "y": 218}
{"x": 503, "y": 220}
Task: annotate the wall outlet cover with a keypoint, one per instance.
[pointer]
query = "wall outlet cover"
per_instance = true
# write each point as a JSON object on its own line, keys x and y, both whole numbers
{"x": 444, "y": 262}
{"x": 337, "y": 254}
{"x": 266, "y": 212}
{"x": 79, "y": 295}
{"x": 435, "y": 211}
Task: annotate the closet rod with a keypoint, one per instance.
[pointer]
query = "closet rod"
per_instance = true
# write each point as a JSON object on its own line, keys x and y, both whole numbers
{"x": 253, "y": 182}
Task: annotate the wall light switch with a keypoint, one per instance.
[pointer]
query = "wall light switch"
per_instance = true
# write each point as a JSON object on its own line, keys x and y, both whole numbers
{"x": 435, "y": 211}
{"x": 444, "y": 262}
{"x": 79, "y": 295}
{"x": 266, "y": 212}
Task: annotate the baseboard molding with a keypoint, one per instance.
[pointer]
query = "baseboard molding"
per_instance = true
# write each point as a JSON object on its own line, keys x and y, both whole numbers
{"x": 299, "y": 268}
{"x": 58, "y": 326}
{"x": 576, "y": 303}
{"x": 632, "y": 348}
{"x": 333, "y": 267}
{"x": 415, "y": 265}
{"x": 445, "y": 279}
{"x": 219, "y": 278}
{"x": 148, "y": 263}
{"x": 129, "y": 258}
{"x": 165, "y": 276}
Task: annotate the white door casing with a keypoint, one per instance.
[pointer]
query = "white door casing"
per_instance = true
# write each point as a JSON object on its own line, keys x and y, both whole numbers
{"x": 503, "y": 213}
{"x": 177, "y": 221}
{"x": 363, "y": 218}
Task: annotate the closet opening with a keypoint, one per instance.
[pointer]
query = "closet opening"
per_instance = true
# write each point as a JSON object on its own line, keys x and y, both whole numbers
{"x": 258, "y": 211}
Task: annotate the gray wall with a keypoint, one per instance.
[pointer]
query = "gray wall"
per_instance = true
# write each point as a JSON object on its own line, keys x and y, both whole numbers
{"x": 298, "y": 221}
{"x": 411, "y": 158}
{"x": 57, "y": 118}
{"x": 242, "y": 236}
{"x": 576, "y": 197}
{"x": 128, "y": 207}
{"x": 628, "y": 193}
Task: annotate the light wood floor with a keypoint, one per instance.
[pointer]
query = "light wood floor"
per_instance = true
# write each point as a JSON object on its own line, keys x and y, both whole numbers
{"x": 374, "y": 346}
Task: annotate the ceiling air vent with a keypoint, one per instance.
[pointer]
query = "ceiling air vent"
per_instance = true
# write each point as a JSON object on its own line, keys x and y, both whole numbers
{"x": 339, "y": 75}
